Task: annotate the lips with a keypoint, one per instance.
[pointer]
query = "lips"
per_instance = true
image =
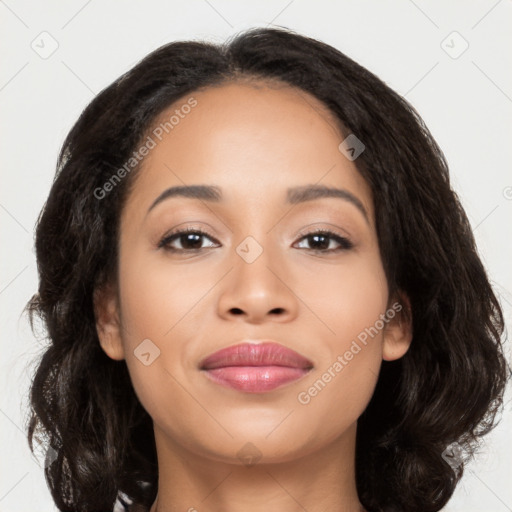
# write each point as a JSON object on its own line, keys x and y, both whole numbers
{"x": 252, "y": 354}
{"x": 255, "y": 367}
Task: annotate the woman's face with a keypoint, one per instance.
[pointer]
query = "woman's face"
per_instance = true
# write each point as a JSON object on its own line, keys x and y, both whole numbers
{"x": 254, "y": 275}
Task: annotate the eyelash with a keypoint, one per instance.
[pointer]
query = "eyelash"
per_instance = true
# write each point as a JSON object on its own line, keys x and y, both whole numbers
{"x": 344, "y": 243}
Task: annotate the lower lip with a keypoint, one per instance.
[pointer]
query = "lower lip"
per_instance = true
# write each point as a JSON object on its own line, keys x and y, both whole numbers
{"x": 255, "y": 379}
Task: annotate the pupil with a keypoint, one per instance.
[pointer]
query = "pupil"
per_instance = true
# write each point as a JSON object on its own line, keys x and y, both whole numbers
{"x": 188, "y": 238}
{"x": 323, "y": 245}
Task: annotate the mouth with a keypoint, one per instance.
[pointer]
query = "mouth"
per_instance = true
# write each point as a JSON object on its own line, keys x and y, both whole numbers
{"x": 255, "y": 367}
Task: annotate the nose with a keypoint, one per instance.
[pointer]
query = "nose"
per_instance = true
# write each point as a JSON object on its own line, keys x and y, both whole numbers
{"x": 258, "y": 291}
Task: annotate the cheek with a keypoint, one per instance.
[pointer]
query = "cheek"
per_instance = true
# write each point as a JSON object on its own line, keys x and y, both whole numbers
{"x": 157, "y": 296}
{"x": 345, "y": 298}
{"x": 336, "y": 396}
{"x": 159, "y": 313}
{"x": 350, "y": 302}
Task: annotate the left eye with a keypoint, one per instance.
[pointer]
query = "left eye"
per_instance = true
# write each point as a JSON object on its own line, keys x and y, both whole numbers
{"x": 323, "y": 239}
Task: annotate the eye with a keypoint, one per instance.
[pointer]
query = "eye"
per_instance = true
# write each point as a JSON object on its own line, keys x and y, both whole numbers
{"x": 323, "y": 239}
{"x": 189, "y": 240}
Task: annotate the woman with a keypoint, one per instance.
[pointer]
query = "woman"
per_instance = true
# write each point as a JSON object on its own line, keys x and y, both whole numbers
{"x": 260, "y": 292}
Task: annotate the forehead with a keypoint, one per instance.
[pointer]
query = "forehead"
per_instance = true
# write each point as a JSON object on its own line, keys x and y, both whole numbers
{"x": 253, "y": 140}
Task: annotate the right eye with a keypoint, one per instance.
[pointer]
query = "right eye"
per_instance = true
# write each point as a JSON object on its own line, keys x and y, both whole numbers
{"x": 190, "y": 240}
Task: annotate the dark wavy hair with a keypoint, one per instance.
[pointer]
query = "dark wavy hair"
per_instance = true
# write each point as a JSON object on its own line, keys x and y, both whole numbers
{"x": 448, "y": 388}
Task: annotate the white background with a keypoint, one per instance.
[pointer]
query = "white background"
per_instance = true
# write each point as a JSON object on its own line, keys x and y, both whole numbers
{"x": 465, "y": 101}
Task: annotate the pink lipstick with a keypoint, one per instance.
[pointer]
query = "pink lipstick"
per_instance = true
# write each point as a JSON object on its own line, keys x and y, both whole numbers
{"x": 255, "y": 368}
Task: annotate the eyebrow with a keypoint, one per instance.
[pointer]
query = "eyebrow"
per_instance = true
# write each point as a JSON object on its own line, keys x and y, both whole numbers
{"x": 294, "y": 195}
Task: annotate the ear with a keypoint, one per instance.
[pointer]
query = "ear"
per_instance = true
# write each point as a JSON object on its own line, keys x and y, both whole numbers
{"x": 108, "y": 325}
{"x": 398, "y": 330}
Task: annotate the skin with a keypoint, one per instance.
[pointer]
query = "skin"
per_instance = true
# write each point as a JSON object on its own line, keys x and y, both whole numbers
{"x": 252, "y": 141}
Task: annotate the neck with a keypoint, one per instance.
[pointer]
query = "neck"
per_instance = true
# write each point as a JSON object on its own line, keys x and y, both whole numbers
{"x": 317, "y": 481}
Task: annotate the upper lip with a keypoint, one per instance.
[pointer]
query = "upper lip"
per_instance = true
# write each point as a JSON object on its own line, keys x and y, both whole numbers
{"x": 265, "y": 353}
